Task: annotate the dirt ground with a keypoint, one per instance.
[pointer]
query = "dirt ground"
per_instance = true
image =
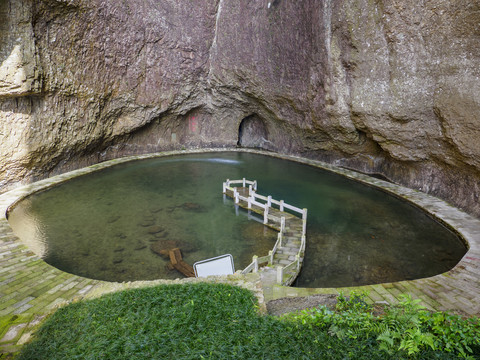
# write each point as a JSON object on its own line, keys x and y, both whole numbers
{"x": 292, "y": 304}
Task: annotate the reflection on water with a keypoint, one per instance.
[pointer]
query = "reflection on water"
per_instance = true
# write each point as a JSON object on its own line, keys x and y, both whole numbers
{"x": 30, "y": 229}
{"x": 116, "y": 223}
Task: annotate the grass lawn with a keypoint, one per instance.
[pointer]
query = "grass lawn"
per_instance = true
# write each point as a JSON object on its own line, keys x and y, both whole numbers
{"x": 190, "y": 321}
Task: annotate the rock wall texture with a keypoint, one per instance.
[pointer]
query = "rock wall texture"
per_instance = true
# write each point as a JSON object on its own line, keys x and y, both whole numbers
{"x": 382, "y": 86}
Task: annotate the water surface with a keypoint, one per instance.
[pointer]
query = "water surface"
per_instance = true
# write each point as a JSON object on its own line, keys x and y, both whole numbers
{"x": 112, "y": 224}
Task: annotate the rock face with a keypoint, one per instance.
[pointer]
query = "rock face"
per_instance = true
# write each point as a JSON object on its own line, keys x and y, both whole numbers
{"x": 387, "y": 86}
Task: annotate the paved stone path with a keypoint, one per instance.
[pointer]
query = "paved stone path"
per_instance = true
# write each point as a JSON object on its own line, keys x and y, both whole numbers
{"x": 30, "y": 288}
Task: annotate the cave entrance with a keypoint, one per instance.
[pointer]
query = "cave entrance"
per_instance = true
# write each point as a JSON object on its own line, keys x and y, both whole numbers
{"x": 252, "y": 132}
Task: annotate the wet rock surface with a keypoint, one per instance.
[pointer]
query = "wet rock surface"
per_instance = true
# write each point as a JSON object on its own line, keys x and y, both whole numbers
{"x": 388, "y": 87}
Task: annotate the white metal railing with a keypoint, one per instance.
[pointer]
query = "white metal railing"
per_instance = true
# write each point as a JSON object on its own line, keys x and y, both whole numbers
{"x": 277, "y": 245}
{"x": 244, "y": 183}
{"x": 253, "y": 266}
{"x": 265, "y": 203}
{"x": 281, "y": 270}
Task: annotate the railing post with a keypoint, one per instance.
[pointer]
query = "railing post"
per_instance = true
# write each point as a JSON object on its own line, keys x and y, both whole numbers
{"x": 270, "y": 259}
{"x": 228, "y": 182}
{"x": 255, "y": 261}
{"x": 281, "y": 205}
{"x": 304, "y": 215}
{"x": 269, "y": 200}
{"x": 280, "y": 239}
{"x": 302, "y": 246}
{"x": 249, "y": 202}
{"x": 279, "y": 275}
{"x": 282, "y": 224}
{"x": 265, "y": 216}
{"x": 255, "y": 185}
{"x": 243, "y": 182}
{"x": 304, "y": 218}
{"x": 224, "y": 187}
{"x": 237, "y": 200}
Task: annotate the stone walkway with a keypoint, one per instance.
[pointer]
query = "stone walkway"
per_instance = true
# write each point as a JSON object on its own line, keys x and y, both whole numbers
{"x": 30, "y": 288}
{"x": 291, "y": 244}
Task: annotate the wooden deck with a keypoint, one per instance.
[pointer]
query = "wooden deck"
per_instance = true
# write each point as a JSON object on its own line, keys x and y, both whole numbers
{"x": 285, "y": 260}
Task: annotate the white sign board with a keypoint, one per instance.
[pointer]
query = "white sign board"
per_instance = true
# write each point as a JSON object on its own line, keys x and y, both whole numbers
{"x": 220, "y": 265}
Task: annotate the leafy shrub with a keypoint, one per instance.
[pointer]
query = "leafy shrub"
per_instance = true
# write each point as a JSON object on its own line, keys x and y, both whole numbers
{"x": 403, "y": 328}
{"x": 207, "y": 321}
{"x": 190, "y": 321}
{"x": 453, "y": 333}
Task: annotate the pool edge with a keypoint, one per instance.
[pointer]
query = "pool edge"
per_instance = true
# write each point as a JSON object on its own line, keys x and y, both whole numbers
{"x": 454, "y": 290}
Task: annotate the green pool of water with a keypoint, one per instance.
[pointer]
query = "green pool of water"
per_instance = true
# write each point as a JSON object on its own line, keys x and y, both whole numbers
{"x": 114, "y": 224}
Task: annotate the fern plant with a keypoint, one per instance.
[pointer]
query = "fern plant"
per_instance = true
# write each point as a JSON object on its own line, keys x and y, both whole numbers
{"x": 406, "y": 327}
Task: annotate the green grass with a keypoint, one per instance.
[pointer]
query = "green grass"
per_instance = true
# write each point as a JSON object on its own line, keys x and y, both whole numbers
{"x": 190, "y": 321}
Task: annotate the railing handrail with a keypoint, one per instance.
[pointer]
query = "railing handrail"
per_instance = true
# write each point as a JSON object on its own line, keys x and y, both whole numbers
{"x": 249, "y": 268}
{"x": 280, "y": 203}
{"x": 249, "y": 182}
{"x": 243, "y": 182}
{"x": 255, "y": 261}
{"x": 277, "y": 244}
{"x": 289, "y": 266}
{"x": 259, "y": 204}
{"x": 261, "y": 197}
{"x": 253, "y": 194}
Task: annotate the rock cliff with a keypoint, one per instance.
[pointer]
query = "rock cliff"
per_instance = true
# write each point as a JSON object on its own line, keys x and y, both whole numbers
{"x": 387, "y": 86}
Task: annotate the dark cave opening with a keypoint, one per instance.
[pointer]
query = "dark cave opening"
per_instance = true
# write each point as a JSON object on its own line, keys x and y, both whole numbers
{"x": 252, "y": 132}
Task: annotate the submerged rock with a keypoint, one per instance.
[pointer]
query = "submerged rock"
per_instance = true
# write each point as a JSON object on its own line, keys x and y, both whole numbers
{"x": 155, "y": 229}
{"x": 191, "y": 206}
{"x": 139, "y": 245}
{"x": 160, "y": 235}
{"x": 146, "y": 223}
{"x": 112, "y": 219}
{"x": 161, "y": 247}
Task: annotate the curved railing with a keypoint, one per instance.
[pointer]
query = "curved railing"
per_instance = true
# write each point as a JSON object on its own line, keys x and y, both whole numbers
{"x": 273, "y": 213}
